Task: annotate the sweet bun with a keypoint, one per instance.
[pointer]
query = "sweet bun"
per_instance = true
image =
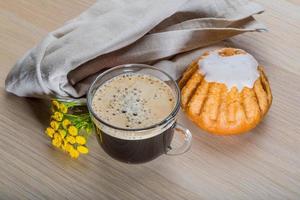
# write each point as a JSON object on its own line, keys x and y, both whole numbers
{"x": 225, "y": 92}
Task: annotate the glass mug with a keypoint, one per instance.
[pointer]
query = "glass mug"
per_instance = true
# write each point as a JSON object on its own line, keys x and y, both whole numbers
{"x": 160, "y": 135}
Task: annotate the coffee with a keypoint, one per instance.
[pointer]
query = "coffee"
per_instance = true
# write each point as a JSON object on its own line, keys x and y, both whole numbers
{"x": 133, "y": 101}
{"x": 134, "y": 113}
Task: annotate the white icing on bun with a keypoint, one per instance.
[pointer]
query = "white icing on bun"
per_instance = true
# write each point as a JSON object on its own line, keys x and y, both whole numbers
{"x": 239, "y": 70}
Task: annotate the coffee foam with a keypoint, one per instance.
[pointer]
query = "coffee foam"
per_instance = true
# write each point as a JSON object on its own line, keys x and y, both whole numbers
{"x": 132, "y": 101}
{"x": 234, "y": 71}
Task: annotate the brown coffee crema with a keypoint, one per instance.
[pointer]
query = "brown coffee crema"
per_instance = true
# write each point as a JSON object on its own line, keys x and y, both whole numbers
{"x": 133, "y": 101}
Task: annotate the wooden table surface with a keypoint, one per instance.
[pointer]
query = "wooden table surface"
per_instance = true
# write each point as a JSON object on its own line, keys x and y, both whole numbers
{"x": 262, "y": 164}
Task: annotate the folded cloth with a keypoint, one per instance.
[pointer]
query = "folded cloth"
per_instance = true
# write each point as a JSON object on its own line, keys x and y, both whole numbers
{"x": 114, "y": 32}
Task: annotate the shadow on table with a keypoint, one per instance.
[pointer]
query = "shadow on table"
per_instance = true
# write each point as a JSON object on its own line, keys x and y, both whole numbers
{"x": 40, "y": 109}
{"x": 234, "y": 144}
{"x": 33, "y": 107}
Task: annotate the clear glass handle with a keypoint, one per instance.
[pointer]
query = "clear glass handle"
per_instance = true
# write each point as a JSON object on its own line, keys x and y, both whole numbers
{"x": 186, "y": 144}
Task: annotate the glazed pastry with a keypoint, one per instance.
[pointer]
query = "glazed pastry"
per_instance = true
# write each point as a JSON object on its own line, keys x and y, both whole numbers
{"x": 225, "y": 92}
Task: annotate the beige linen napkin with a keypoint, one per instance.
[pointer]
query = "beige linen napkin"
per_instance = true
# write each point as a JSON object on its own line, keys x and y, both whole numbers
{"x": 114, "y": 32}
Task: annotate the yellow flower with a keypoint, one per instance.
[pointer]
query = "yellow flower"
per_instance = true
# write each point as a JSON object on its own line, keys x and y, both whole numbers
{"x": 54, "y": 124}
{"x": 56, "y": 142}
{"x": 80, "y": 139}
{"x": 55, "y": 104}
{"x": 74, "y": 153}
{"x": 70, "y": 139}
{"x": 66, "y": 123}
{"x": 57, "y": 136}
{"x": 82, "y": 149}
{"x": 68, "y": 147}
{"x": 63, "y": 108}
{"x": 57, "y": 116}
{"x": 73, "y": 130}
{"x": 59, "y": 143}
{"x": 50, "y": 132}
{"x": 63, "y": 147}
{"x": 62, "y": 132}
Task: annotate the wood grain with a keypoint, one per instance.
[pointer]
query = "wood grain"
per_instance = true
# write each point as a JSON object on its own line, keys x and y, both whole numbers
{"x": 262, "y": 164}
